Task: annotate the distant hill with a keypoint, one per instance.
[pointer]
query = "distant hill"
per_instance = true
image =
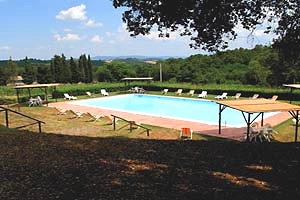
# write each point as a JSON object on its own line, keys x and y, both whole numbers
{"x": 134, "y": 57}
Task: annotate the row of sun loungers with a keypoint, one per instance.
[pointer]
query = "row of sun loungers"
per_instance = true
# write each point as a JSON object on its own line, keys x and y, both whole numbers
{"x": 190, "y": 93}
{"x": 224, "y": 95}
{"x": 88, "y": 93}
{"x": 102, "y": 91}
{"x": 76, "y": 115}
{"x": 110, "y": 120}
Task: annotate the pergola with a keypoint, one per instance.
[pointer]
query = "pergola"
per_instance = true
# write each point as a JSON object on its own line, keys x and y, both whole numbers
{"x": 258, "y": 107}
{"x": 29, "y": 87}
{"x": 128, "y": 80}
{"x": 292, "y": 87}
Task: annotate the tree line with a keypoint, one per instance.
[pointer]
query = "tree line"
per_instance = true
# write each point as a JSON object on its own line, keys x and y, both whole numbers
{"x": 58, "y": 69}
{"x": 259, "y": 66}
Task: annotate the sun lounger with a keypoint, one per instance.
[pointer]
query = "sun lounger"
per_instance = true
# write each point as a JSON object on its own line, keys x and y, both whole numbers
{"x": 61, "y": 111}
{"x": 202, "y": 94}
{"x": 104, "y": 92}
{"x": 178, "y": 92}
{"x": 76, "y": 114}
{"x": 93, "y": 117}
{"x": 237, "y": 95}
{"x": 222, "y": 96}
{"x": 274, "y": 98}
{"x": 191, "y": 92}
{"x": 68, "y": 97}
{"x": 255, "y": 96}
{"x": 89, "y": 93}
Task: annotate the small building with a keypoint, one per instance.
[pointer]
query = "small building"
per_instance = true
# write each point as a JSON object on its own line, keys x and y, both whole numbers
{"x": 16, "y": 80}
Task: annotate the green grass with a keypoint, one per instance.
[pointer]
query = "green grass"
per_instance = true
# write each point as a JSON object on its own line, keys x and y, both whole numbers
{"x": 79, "y": 159}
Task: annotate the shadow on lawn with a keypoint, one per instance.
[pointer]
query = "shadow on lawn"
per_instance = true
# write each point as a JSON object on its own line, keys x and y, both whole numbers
{"x": 49, "y": 166}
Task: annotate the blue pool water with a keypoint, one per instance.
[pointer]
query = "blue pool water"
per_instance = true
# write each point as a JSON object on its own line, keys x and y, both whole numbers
{"x": 196, "y": 110}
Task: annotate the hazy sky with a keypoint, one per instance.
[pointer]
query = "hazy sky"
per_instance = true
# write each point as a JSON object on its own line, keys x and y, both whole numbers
{"x": 40, "y": 29}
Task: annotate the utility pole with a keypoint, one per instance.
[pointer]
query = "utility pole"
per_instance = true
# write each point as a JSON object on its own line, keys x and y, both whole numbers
{"x": 160, "y": 72}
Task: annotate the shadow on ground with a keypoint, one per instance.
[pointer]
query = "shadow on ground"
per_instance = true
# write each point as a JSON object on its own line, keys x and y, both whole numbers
{"x": 50, "y": 166}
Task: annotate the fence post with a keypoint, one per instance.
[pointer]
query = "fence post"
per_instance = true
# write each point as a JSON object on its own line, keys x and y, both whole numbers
{"x": 40, "y": 127}
{"x": 6, "y": 118}
{"x": 114, "y": 123}
{"x": 130, "y": 125}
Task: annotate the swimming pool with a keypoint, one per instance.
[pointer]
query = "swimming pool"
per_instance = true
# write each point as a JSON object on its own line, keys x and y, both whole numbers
{"x": 196, "y": 110}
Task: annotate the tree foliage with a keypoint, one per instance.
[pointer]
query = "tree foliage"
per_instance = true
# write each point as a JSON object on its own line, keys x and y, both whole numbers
{"x": 29, "y": 74}
{"x": 208, "y": 22}
{"x": 259, "y": 66}
{"x": 70, "y": 71}
{"x": 115, "y": 71}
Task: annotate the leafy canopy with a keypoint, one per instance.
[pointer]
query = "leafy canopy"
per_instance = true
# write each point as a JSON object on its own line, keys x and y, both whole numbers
{"x": 211, "y": 23}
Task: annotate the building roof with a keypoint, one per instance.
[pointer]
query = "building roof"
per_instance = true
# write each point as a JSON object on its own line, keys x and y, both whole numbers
{"x": 297, "y": 86}
{"x": 137, "y": 79}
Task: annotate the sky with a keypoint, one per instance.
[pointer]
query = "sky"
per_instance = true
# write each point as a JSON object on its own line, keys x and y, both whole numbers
{"x": 41, "y": 29}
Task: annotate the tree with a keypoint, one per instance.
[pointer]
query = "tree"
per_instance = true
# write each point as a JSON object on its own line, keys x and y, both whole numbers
{"x": 3, "y": 76}
{"x": 82, "y": 64}
{"x": 209, "y": 23}
{"x": 257, "y": 74}
{"x": 44, "y": 74}
{"x": 11, "y": 69}
{"x": 104, "y": 74}
{"x": 65, "y": 70}
{"x": 90, "y": 70}
{"x": 29, "y": 74}
{"x": 56, "y": 68}
{"x": 75, "y": 73}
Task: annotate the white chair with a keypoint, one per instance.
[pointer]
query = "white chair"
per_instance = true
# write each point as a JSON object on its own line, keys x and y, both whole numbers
{"x": 203, "y": 94}
{"x": 222, "y": 96}
{"x": 35, "y": 101}
{"x": 32, "y": 102}
{"x": 165, "y": 91}
{"x": 39, "y": 100}
{"x": 104, "y": 92}
{"x": 68, "y": 97}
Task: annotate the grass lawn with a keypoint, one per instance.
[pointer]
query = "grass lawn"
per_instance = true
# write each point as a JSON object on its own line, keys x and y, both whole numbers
{"x": 88, "y": 160}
